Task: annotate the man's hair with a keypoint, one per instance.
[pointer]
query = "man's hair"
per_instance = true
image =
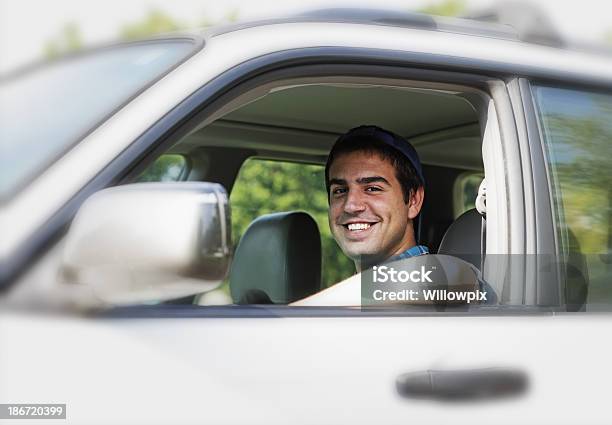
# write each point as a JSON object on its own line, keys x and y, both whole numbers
{"x": 404, "y": 171}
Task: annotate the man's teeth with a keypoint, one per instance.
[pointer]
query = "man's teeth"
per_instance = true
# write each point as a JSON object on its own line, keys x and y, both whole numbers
{"x": 358, "y": 226}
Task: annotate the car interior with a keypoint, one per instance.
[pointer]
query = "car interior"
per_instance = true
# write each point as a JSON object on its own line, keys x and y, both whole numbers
{"x": 297, "y": 123}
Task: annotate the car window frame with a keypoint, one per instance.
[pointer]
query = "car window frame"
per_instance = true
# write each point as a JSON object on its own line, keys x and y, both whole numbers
{"x": 265, "y": 311}
{"x": 540, "y": 207}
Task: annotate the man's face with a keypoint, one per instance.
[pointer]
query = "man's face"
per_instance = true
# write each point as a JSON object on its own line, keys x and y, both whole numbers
{"x": 368, "y": 216}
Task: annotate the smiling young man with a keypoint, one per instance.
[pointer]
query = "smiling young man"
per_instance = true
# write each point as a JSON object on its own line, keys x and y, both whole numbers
{"x": 375, "y": 186}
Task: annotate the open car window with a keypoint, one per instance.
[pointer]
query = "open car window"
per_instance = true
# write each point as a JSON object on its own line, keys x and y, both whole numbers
{"x": 287, "y": 135}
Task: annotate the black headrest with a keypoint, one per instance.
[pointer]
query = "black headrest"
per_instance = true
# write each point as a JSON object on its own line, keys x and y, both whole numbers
{"x": 278, "y": 260}
{"x": 462, "y": 238}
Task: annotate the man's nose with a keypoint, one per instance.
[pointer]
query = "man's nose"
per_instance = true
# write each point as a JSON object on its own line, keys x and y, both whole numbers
{"x": 354, "y": 203}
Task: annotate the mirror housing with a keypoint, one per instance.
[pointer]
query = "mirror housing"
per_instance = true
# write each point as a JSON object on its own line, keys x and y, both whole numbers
{"x": 149, "y": 241}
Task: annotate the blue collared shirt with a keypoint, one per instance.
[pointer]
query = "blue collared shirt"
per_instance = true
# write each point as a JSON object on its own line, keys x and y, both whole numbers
{"x": 415, "y": 251}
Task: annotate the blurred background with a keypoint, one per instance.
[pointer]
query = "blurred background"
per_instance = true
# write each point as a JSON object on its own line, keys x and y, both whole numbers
{"x": 34, "y": 30}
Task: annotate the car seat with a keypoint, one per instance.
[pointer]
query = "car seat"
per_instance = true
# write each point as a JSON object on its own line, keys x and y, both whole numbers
{"x": 463, "y": 238}
{"x": 278, "y": 260}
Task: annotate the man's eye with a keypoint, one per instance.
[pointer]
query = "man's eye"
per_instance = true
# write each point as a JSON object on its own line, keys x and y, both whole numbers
{"x": 373, "y": 189}
{"x": 338, "y": 191}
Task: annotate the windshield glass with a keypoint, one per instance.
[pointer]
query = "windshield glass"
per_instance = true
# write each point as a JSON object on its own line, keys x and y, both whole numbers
{"x": 46, "y": 111}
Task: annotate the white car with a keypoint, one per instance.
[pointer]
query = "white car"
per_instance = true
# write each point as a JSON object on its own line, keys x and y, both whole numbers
{"x": 110, "y": 299}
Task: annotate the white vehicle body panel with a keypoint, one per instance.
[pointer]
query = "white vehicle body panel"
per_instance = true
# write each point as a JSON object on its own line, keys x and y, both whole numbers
{"x": 301, "y": 370}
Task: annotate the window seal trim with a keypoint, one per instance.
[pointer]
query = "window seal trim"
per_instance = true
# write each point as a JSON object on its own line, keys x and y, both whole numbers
{"x": 173, "y": 311}
{"x": 546, "y": 221}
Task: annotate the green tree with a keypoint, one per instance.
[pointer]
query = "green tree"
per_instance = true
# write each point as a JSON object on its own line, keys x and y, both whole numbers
{"x": 69, "y": 40}
{"x": 158, "y": 22}
{"x": 445, "y": 8}
{"x": 155, "y": 22}
{"x": 166, "y": 168}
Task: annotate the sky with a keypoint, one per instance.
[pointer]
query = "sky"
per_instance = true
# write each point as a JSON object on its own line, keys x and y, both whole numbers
{"x": 26, "y": 25}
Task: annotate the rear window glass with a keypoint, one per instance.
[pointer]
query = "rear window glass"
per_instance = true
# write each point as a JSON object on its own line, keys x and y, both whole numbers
{"x": 465, "y": 192}
{"x": 166, "y": 168}
{"x": 578, "y": 136}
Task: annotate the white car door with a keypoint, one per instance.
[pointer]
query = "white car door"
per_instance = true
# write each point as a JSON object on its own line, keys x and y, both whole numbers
{"x": 303, "y": 366}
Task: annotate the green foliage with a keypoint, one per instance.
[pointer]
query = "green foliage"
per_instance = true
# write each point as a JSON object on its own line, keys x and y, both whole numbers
{"x": 585, "y": 181}
{"x": 264, "y": 187}
{"x": 155, "y": 22}
{"x": 445, "y": 8}
{"x": 232, "y": 15}
{"x": 159, "y": 22}
{"x": 69, "y": 40}
{"x": 165, "y": 168}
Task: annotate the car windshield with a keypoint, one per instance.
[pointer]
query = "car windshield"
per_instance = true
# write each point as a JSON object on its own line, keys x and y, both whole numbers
{"x": 46, "y": 111}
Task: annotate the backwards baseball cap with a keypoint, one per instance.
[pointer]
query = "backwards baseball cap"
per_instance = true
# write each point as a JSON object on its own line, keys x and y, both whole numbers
{"x": 398, "y": 143}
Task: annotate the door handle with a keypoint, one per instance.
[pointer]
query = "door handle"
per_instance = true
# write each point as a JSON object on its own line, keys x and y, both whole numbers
{"x": 475, "y": 384}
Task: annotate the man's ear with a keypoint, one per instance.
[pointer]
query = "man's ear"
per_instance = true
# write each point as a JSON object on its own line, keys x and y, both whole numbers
{"x": 416, "y": 202}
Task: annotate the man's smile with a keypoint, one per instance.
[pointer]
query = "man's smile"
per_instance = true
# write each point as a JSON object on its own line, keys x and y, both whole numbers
{"x": 358, "y": 229}
{"x": 358, "y": 226}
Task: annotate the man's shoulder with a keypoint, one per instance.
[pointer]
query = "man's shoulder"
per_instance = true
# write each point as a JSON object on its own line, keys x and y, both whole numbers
{"x": 414, "y": 251}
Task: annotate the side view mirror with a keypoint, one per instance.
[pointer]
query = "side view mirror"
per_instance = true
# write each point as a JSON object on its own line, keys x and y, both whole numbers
{"x": 149, "y": 241}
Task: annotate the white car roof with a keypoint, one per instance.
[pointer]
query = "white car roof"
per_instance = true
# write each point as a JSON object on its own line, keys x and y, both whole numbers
{"x": 483, "y": 45}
